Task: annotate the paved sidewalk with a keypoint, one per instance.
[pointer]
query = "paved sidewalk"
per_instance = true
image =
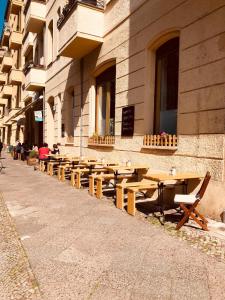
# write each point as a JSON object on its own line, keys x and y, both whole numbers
{"x": 83, "y": 248}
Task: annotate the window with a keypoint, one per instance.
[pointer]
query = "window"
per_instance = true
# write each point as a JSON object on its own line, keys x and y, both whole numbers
{"x": 18, "y": 96}
{"x": 105, "y": 102}
{"x": 166, "y": 87}
{"x": 50, "y": 42}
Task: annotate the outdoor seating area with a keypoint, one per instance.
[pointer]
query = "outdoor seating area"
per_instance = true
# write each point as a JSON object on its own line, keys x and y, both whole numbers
{"x": 131, "y": 185}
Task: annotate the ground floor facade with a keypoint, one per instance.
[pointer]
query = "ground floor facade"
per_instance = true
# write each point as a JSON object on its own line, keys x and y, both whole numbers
{"x": 152, "y": 93}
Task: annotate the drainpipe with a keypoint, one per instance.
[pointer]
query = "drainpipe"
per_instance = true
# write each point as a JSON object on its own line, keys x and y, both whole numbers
{"x": 43, "y": 116}
{"x": 81, "y": 104}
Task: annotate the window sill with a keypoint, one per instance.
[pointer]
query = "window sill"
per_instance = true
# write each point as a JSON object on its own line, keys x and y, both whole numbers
{"x": 101, "y": 145}
{"x": 160, "y": 148}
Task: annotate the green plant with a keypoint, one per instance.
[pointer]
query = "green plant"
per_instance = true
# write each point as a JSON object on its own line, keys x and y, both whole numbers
{"x": 33, "y": 154}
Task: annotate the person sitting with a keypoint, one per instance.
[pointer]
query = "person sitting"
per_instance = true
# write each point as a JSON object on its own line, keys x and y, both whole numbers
{"x": 55, "y": 149}
{"x": 43, "y": 152}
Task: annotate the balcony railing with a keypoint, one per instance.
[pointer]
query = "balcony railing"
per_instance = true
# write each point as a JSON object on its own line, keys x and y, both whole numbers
{"x": 77, "y": 36}
{"x": 15, "y": 40}
{"x": 16, "y": 6}
{"x": 68, "y": 8}
{"x": 7, "y": 62}
{"x": 163, "y": 141}
{"x": 7, "y": 91}
{"x": 28, "y": 41}
{"x": 35, "y": 13}
{"x": 2, "y": 52}
{"x": 15, "y": 76}
{"x": 107, "y": 140}
{"x": 35, "y": 77}
{"x": 2, "y": 78}
{"x": 6, "y": 34}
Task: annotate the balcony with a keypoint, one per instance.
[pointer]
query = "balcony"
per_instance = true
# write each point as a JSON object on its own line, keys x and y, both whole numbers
{"x": 160, "y": 141}
{"x": 15, "y": 76}
{"x": 35, "y": 12}
{"x": 2, "y": 52}
{"x": 15, "y": 40}
{"x": 35, "y": 77}
{"x": 80, "y": 27}
{"x": 28, "y": 42}
{"x": 3, "y": 101}
{"x": 2, "y": 78}
{"x": 7, "y": 91}
{"x": 15, "y": 6}
{"x": 5, "y": 35}
{"x": 27, "y": 95}
{"x": 7, "y": 62}
{"x": 101, "y": 141}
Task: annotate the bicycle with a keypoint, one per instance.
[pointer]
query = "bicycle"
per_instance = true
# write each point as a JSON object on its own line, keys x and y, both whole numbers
{"x": 1, "y": 164}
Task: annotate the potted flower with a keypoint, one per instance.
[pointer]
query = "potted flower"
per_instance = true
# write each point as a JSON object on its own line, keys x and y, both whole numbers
{"x": 32, "y": 158}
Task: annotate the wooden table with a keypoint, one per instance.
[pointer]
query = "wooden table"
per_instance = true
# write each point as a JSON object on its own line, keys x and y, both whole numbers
{"x": 133, "y": 169}
{"x": 162, "y": 178}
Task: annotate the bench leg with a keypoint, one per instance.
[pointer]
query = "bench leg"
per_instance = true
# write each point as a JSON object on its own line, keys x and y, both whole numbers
{"x": 72, "y": 180}
{"x": 62, "y": 174}
{"x": 99, "y": 188}
{"x": 51, "y": 170}
{"x": 77, "y": 180}
{"x": 91, "y": 185}
{"x": 131, "y": 209}
{"x": 59, "y": 173}
{"x": 120, "y": 197}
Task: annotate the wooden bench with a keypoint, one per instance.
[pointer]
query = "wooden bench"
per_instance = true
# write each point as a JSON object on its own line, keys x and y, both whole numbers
{"x": 76, "y": 175}
{"x": 42, "y": 166}
{"x": 50, "y": 167}
{"x": 107, "y": 177}
{"x": 131, "y": 191}
{"x": 122, "y": 187}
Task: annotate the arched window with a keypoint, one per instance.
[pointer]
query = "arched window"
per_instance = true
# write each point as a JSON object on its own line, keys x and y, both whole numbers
{"x": 50, "y": 42}
{"x": 105, "y": 102}
{"x": 166, "y": 87}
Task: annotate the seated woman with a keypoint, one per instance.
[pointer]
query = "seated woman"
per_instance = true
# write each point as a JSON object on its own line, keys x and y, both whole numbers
{"x": 43, "y": 151}
{"x": 55, "y": 149}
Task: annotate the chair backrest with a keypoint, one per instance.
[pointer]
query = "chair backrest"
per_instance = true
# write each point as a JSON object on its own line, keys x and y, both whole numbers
{"x": 204, "y": 185}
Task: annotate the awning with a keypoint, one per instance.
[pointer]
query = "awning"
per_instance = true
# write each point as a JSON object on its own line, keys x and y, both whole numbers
{"x": 20, "y": 114}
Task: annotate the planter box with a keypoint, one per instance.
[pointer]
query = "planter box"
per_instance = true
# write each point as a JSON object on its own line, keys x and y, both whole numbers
{"x": 32, "y": 161}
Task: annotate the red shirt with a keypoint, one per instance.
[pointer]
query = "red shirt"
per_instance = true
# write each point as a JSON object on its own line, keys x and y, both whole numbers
{"x": 42, "y": 151}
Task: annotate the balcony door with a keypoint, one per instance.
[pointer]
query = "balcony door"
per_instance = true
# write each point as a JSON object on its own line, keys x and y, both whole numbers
{"x": 166, "y": 87}
{"x": 105, "y": 102}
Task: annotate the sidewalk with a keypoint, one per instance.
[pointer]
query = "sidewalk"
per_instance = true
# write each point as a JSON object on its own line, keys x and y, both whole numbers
{"x": 83, "y": 248}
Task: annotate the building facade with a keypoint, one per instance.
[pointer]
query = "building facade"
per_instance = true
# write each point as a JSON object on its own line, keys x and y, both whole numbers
{"x": 138, "y": 80}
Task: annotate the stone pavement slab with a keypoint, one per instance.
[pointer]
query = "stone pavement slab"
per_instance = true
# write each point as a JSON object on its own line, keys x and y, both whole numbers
{"x": 83, "y": 248}
{"x": 17, "y": 280}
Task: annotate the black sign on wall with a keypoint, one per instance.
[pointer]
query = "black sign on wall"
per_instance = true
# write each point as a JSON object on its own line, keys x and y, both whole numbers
{"x": 127, "y": 121}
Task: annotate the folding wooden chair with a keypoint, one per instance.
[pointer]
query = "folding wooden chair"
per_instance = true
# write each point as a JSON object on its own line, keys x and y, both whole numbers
{"x": 188, "y": 204}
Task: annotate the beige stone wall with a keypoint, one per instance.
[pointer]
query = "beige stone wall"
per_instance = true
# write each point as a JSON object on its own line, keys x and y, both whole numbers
{"x": 132, "y": 32}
